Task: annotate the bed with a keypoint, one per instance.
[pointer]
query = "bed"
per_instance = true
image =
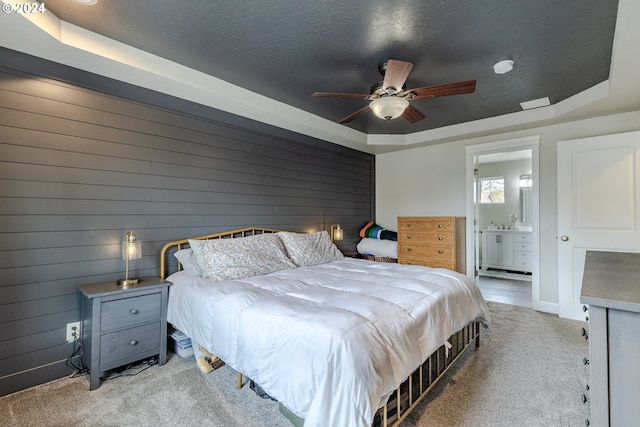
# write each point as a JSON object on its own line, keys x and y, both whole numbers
{"x": 337, "y": 341}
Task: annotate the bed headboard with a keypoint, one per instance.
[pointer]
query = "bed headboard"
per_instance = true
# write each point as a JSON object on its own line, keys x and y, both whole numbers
{"x": 170, "y": 248}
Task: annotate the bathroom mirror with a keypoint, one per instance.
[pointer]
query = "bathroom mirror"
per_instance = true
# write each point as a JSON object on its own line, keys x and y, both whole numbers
{"x": 526, "y": 197}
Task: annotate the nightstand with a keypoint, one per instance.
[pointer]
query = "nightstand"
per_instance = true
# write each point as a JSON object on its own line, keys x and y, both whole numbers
{"x": 123, "y": 325}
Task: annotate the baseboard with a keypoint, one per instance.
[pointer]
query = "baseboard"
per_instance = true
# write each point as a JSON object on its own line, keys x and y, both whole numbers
{"x": 546, "y": 307}
{"x": 33, "y": 377}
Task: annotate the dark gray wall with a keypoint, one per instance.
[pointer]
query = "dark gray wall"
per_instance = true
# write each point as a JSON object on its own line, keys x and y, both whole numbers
{"x": 83, "y": 159}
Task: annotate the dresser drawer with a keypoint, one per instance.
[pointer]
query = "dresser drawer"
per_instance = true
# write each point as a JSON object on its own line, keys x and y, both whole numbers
{"x": 129, "y": 312}
{"x": 429, "y": 253}
{"x": 428, "y": 224}
{"x": 429, "y": 263}
{"x": 445, "y": 239}
{"x": 128, "y": 343}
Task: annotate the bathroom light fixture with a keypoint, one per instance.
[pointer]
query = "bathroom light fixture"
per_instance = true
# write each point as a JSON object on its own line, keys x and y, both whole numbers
{"x": 388, "y": 107}
{"x": 336, "y": 232}
{"x": 131, "y": 249}
{"x": 503, "y": 67}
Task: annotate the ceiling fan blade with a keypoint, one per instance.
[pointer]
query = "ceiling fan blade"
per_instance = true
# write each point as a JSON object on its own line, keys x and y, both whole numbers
{"x": 364, "y": 110}
{"x": 396, "y": 74}
{"x": 459, "y": 88}
{"x": 340, "y": 95}
{"x": 413, "y": 115}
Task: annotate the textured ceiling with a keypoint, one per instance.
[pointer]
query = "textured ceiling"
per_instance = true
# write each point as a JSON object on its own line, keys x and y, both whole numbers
{"x": 288, "y": 49}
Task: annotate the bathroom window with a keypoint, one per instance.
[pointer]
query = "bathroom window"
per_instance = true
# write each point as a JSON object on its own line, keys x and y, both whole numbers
{"x": 491, "y": 190}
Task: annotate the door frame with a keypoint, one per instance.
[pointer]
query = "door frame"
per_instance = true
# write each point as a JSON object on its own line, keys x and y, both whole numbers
{"x": 522, "y": 143}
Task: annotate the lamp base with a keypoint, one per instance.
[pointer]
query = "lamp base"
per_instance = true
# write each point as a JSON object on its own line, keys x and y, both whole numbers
{"x": 128, "y": 282}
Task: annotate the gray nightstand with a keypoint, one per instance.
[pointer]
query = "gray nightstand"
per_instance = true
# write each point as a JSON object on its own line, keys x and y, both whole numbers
{"x": 123, "y": 325}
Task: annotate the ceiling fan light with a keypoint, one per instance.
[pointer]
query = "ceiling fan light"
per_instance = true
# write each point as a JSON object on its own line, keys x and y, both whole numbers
{"x": 503, "y": 67}
{"x": 388, "y": 107}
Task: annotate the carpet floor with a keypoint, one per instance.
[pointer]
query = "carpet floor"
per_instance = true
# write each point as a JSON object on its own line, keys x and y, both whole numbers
{"x": 527, "y": 371}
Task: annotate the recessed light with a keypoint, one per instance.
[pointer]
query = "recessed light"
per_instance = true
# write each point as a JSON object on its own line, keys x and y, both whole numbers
{"x": 541, "y": 102}
{"x": 503, "y": 67}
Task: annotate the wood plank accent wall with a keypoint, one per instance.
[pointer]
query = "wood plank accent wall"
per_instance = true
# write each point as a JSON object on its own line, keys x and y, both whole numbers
{"x": 81, "y": 164}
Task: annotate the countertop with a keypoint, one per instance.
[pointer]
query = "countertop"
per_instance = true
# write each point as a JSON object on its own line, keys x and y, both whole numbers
{"x": 612, "y": 280}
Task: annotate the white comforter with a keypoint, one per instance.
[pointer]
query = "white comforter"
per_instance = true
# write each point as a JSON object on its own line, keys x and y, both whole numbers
{"x": 330, "y": 342}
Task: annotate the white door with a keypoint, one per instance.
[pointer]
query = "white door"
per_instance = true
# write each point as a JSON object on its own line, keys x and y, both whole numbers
{"x": 598, "y": 200}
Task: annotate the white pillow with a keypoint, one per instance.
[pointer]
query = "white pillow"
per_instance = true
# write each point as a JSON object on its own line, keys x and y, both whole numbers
{"x": 189, "y": 262}
{"x": 237, "y": 258}
{"x": 310, "y": 249}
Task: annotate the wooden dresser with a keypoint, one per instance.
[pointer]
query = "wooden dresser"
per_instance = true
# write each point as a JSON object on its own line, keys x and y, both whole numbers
{"x": 611, "y": 287}
{"x": 433, "y": 241}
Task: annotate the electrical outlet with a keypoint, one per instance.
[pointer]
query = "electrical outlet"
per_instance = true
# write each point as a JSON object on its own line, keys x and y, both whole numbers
{"x": 73, "y": 329}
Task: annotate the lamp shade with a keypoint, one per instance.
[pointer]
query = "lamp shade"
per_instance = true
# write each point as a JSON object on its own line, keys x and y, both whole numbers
{"x": 131, "y": 249}
{"x": 388, "y": 107}
{"x": 336, "y": 232}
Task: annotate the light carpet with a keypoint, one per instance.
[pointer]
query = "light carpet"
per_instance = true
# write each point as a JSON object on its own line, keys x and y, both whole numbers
{"x": 528, "y": 371}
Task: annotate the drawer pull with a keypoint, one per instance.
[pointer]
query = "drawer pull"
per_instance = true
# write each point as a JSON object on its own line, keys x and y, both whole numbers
{"x": 409, "y": 236}
{"x": 133, "y": 311}
{"x": 440, "y": 251}
{"x": 409, "y": 249}
{"x": 134, "y": 342}
{"x": 440, "y": 238}
{"x": 440, "y": 226}
{"x": 409, "y": 225}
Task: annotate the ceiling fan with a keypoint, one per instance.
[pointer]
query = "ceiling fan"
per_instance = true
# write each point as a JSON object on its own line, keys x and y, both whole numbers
{"x": 389, "y": 98}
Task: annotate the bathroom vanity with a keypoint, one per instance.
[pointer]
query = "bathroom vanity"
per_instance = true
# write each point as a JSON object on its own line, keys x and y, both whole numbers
{"x": 507, "y": 250}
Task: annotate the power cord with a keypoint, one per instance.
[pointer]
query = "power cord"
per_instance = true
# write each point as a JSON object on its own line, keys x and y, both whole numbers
{"x": 131, "y": 369}
{"x": 78, "y": 350}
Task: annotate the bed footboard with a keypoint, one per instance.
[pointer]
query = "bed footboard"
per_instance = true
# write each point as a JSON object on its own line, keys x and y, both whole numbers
{"x": 411, "y": 392}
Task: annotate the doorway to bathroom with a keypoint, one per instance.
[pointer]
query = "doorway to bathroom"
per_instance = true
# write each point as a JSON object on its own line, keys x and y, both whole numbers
{"x": 502, "y": 220}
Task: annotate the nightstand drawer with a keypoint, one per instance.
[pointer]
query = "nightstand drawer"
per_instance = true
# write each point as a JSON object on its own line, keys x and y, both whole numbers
{"x": 129, "y": 312}
{"x": 129, "y": 342}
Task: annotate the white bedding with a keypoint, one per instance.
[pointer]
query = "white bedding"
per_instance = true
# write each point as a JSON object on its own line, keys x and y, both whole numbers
{"x": 331, "y": 341}
{"x": 377, "y": 247}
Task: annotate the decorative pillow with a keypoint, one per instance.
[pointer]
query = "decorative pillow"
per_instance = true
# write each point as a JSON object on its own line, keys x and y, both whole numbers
{"x": 374, "y": 231}
{"x": 237, "y": 258}
{"x": 189, "y": 262}
{"x": 310, "y": 249}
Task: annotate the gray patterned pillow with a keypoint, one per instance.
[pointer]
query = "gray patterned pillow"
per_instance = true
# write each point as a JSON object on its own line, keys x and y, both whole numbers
{"x": 310, "y": 249}
{"x": 237, "y": 258}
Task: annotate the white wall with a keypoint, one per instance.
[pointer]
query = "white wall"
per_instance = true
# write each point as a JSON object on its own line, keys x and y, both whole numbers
{"x": 431, "y": 181}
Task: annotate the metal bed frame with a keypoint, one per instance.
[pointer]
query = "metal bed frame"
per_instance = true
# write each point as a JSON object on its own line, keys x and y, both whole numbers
{"x": 406, "y": 397}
